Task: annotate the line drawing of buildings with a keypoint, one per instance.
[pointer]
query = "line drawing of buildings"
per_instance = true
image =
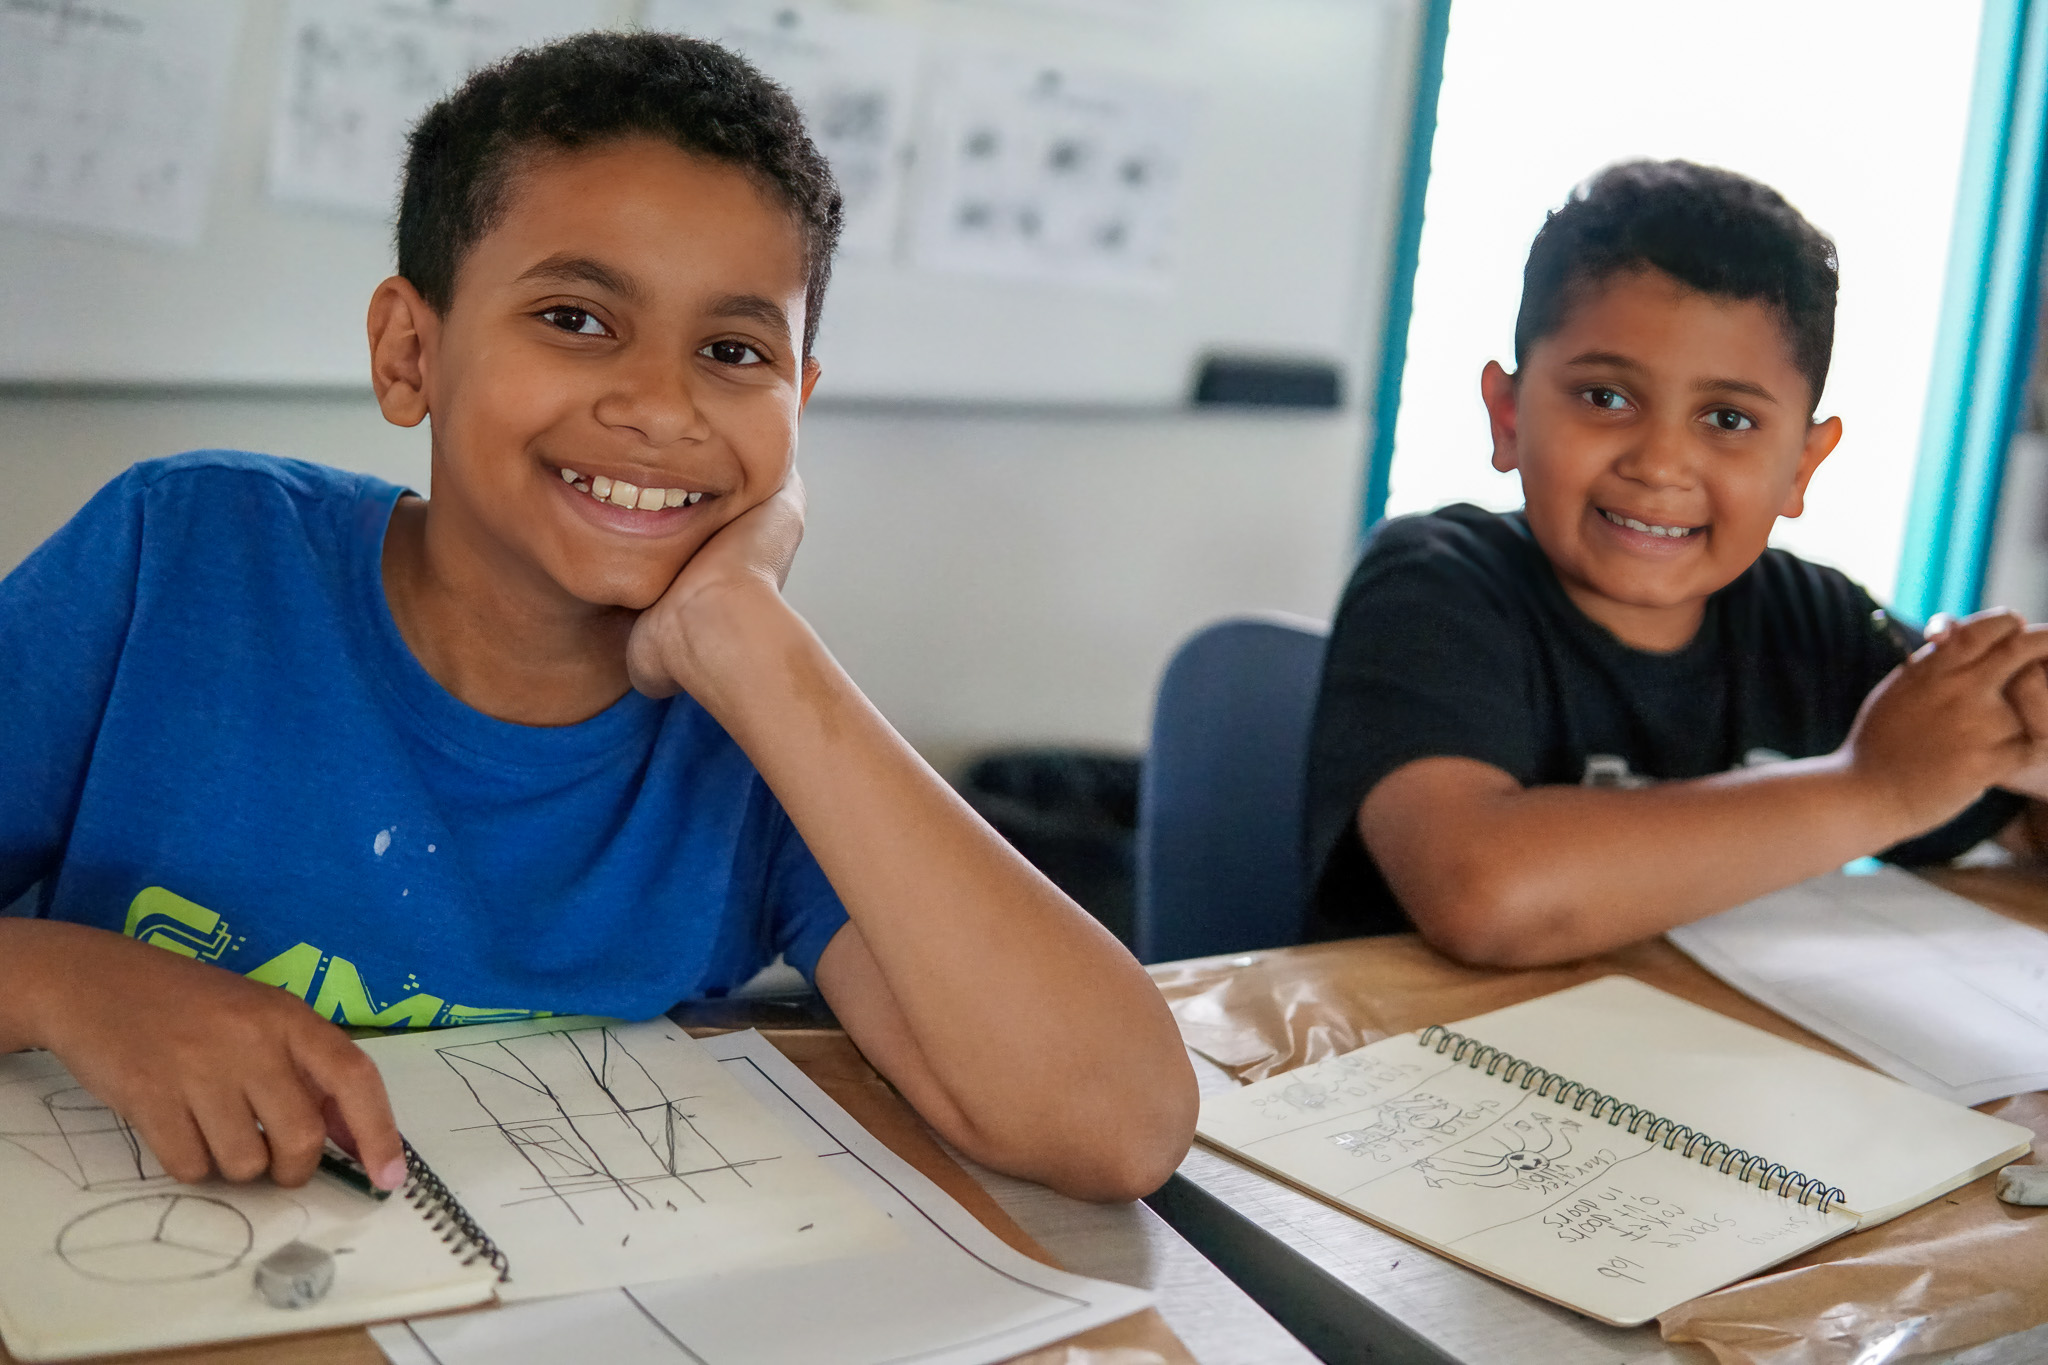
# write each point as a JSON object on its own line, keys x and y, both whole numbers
{"x": 592, "y": 1123}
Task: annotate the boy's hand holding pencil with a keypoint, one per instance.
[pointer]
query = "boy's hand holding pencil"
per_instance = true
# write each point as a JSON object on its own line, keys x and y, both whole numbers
{"x": 213, "y": 1071}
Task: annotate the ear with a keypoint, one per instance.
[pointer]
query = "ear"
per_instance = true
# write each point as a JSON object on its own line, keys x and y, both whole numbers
{"x": 810, "y": 381}
{"x": 404, "y": 329}
{"x": 1497, "y": 391}
{"x": 1821, "y": 439}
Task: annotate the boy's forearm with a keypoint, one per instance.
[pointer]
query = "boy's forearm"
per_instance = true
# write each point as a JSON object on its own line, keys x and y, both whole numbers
{"x": 1547, "y": 874}
{"x": 1029, "y": 1015}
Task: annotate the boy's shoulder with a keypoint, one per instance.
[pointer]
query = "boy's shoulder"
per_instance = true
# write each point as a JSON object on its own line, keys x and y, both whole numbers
{"x": 246, "y": 472}
{"x": 1460, "y": 531}
{"x": 1460, "y": 551}
{"x": 224, "y": 498}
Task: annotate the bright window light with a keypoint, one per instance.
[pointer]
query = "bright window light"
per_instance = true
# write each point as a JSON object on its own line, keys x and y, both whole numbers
{"x": 1854, "y": 112}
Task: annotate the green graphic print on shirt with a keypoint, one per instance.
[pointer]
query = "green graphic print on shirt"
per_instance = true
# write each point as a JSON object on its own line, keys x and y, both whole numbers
{"x": 330, "y": 984}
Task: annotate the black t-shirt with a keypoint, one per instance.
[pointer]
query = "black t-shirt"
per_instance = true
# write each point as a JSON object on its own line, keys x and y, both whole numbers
{"x": 1455, "y": 639}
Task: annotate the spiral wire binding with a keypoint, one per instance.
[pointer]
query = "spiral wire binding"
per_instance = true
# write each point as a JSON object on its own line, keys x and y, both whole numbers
{"x": 1674, "y": 1137}
{"x": 425, "y": 1192}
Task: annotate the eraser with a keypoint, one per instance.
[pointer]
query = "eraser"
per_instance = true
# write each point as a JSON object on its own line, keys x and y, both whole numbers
{"x": 295, "y": 1275}
{"x": 2024, "y": 1185}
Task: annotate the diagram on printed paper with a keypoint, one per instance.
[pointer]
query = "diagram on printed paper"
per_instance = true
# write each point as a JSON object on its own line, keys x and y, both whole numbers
{"x": 1039, "y": 170}
{"x": 853, "y": 75}
{"x": 594, "y": 1124}
{"x": 357, "y": 75}
{"x": 113, "y": 113}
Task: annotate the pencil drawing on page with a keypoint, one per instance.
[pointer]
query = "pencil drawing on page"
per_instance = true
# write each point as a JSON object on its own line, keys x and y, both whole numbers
{"x": 84, "y": 1141}
{"x": 146, "y": 1235}
{"x": 594, "y": 1124}
{"x": 1526, "y": 1152}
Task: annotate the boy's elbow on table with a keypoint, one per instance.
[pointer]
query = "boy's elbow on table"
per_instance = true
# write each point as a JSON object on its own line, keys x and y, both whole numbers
{"x": 1480, "y": 916}
{"x": 1116, "y": 1152}
{"x": 1107, "y": 1135}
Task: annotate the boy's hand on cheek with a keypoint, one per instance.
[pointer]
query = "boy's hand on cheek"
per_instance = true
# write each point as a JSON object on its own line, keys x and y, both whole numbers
{"x": 750, "y": 554}
{"x": 1968, "y": 711}
{"x": 195, "y": 1058}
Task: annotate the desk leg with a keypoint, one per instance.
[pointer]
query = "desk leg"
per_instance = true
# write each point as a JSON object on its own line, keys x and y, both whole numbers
{"x": 1325, "y": 1314}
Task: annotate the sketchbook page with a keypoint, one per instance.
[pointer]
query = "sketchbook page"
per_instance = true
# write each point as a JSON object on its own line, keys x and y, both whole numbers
{"x": 113, "y": 113}
{"x": 952, "y": 1293}
{"x": 102, "y": 1252}
{"x": 596, "y": 1154}
{"x": 1924, "y": 985}
{"x": 1518, "y": 1186}
{"x": 1888, "y": 1147}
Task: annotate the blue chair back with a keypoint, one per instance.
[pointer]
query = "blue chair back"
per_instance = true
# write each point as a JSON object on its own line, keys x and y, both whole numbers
{"x": 1220, "y": 798}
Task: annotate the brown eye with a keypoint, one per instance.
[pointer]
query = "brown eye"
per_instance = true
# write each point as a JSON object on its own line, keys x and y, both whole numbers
{"x": 731, "y": 353}
{"x": 1728, "y": 419}
{"x": 1607, "y": 400}
{"x": 581, "y": 321}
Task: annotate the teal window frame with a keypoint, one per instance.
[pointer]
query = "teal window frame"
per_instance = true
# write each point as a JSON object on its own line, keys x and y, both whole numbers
{"x": 1990, "y": 298}
{"x": 1386, "y": 401}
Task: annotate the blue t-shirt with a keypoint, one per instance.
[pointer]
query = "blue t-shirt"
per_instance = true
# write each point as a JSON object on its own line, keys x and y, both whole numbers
{"x": 215, "y": 740}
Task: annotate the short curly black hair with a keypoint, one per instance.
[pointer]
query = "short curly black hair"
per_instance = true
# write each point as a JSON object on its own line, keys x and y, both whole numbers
{"x": 592, "y": 88}
{"x": 1710, "y": 229}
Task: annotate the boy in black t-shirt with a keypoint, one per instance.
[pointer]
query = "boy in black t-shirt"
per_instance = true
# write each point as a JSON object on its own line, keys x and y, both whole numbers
{"x": 1549, "y": 733}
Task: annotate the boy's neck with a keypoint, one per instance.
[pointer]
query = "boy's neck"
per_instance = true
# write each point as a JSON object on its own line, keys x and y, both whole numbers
{"x": 1658, "y": 630}
{"x": 499, "y": 642}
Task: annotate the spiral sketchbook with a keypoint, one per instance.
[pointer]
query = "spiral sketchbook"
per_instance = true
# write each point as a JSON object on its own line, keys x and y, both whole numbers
{"x": 546, "y": 1157}
{"x": 1610, "y": 1147}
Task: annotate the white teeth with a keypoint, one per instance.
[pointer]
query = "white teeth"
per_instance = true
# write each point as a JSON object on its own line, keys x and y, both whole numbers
{"x": 620, "y": 493}
{"x": 1665, "y": 532}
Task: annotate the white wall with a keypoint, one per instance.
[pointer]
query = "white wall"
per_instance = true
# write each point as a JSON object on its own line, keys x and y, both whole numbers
{"x": 989, "y": 578}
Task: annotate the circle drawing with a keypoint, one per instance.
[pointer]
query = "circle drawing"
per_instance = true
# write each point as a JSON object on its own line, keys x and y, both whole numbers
{"x": 157, "y": 1239}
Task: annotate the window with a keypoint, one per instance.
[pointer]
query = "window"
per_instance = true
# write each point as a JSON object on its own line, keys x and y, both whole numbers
{"x": 1856, "y": 113}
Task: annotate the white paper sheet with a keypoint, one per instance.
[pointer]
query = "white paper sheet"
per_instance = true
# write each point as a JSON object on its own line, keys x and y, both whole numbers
{"x": 354, "y": 76}
{"x": 853, "y": 75}
{"x": 952, "y": 1294}
{"x": 597, "y": 1153}
{"x": 110, "y": 113}
{"x": 1926, "y": 986}
{"x": 1045, "y": 171}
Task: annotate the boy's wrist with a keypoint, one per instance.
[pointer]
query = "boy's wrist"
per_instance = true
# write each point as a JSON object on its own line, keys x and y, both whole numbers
{"x": 1883, "y": 813}
{"x": 24, "y": 982}
{"x": 721, "y": 632}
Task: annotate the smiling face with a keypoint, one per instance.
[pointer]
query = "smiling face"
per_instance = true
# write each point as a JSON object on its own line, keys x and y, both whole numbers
{"x": 1659, "y": 433}
{"x": 620, "y": 372}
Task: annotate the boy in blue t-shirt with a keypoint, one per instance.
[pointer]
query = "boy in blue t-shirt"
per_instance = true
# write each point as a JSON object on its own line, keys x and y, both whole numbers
{"x": 1545, "y": 734}
{"x": 551, "y": 740}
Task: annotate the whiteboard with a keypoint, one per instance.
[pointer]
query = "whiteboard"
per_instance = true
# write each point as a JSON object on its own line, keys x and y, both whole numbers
{"x": 1296, "y": 124}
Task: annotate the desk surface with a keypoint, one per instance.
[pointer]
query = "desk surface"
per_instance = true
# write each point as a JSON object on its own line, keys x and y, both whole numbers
{"x": 1458, "y": 1314}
